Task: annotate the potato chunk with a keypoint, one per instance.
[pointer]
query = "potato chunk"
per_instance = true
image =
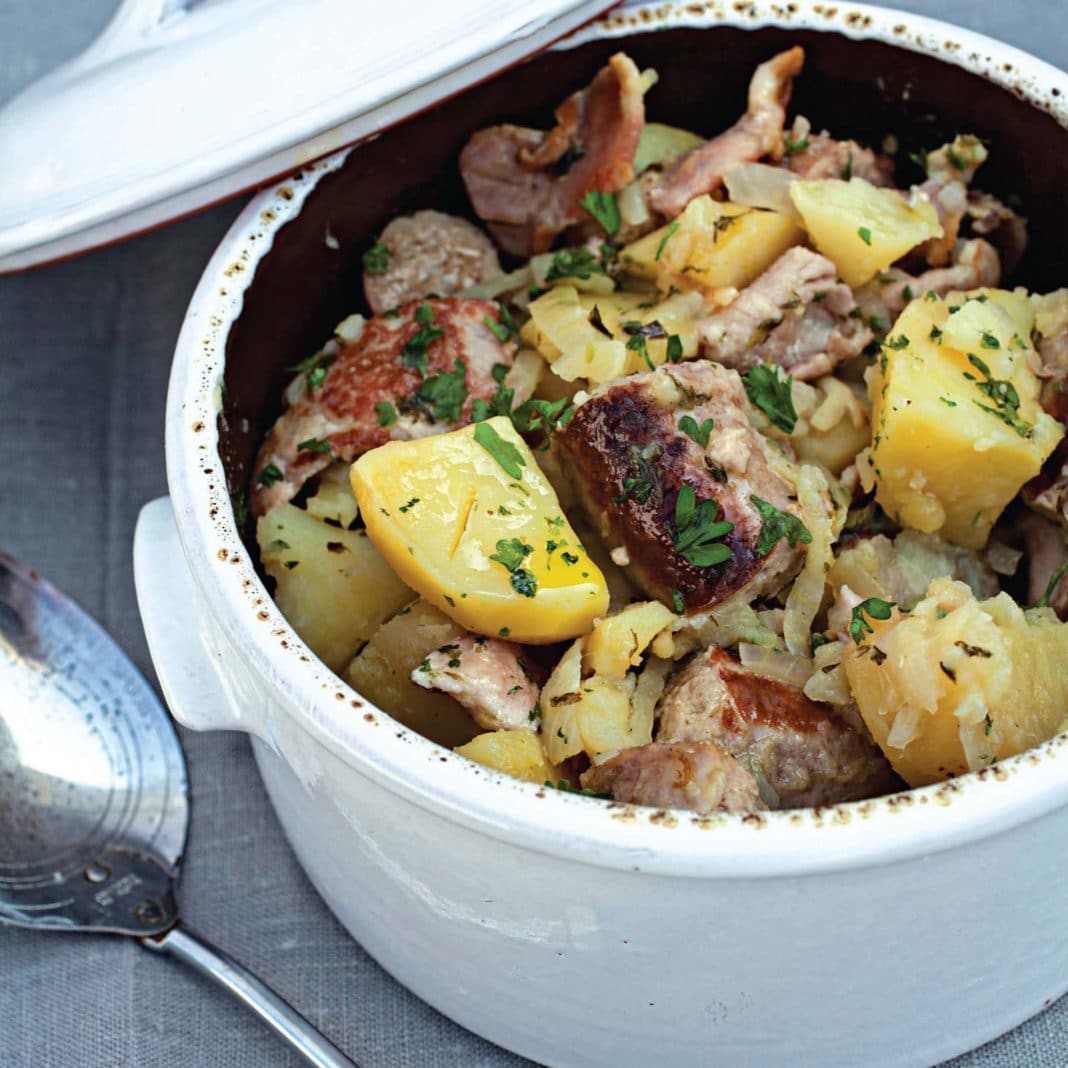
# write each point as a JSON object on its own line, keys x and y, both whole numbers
{"x": 517, "y": 753}
{"x": 956, "y": 419}
{"x": 382, "y": 673}
{"x": 958, "y": 684}
{"x": 469, "y": 520}
{"x": 862, "y": 228}
{"x": 333, "y": 585}
{"x": 712, "y": 244}
{"x": 616, "y": 644}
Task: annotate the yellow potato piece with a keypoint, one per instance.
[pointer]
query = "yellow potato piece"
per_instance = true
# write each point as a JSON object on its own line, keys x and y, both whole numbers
{"x": 861, "y": 228}
{"x": 947, "y": 456}
{"x": 712, "y": 244}
{"x": 440, "y": 509}
{"x": 331, "y": 584}
{"x": 958, "y": 684}
{"x": 517, "y": 753}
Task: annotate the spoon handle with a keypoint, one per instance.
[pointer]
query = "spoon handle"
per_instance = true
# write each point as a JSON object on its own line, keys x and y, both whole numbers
{"x": 288, "y": 1024}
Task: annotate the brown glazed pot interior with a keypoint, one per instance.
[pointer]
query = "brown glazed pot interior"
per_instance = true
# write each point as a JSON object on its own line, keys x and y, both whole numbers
{"x": 858, "y": 89}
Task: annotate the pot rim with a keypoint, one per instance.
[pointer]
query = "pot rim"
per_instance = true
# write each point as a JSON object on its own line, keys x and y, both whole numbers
{"x": 855, "y": 835}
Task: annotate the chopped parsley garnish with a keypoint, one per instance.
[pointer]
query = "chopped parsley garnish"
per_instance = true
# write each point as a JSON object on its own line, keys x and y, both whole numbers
{"x": 897, "y": 343}
{"x": 697, "y": 530}
{"x": 415, "y": 354}
{"x": 316, "y": 445}
{"x": 387, "y": 414}
{"x": 445, "y": 393}
{"x": 673, "y": 348}
{"x": 535, "y": 414}
{"x": 564, "y": 786}
{"x": 569, "y": 558}
{"x": 847, "y": 171}
{"x": 865, "y": 235}
{"x": 669, "y": 233}
{"x": 874, "y": 607}
{"x": 688, "y": 425}
{"x": 573, "y": 263}
{"x": 604, "y": 208}
{"x": 819, "y": 639}
{"x": 935, "y": 334}
{"x": 239, "y": 502}
{"x": 270, "y": 475}
{"x": 771, "y": 393}
{"x": 316, "y": 377}
{"x": 946, "y": 401}
{"x": 639, "y": 333}
{"x": 411, "y": 503}
{"x": 376, "y": 259}
{"x": 776, "y": 524}
{"x": 504, "y": 452}
{"x": 510, "y": 554}
{"x": 502, "y": 332}
{"x": 990, "y": 341}
{"x": 637, "y": 486}
{"x": 790, "y": 147}
{"x": 1051, "y": 586}
{"x": 1003, "y": 393}
{"x": 677, "y": 603}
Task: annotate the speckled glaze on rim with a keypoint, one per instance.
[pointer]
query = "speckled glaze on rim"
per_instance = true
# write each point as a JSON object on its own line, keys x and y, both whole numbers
{"x": 918, "y": 822}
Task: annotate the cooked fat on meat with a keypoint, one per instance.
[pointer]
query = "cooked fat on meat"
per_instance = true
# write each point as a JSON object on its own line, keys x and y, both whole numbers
{"x": 630, "y": 459}
{"x": 342, "y": 416}
{"x": 512, "y": 173}
{"x": 429, "y": 252}
{"x": 796, "y": 315}
{"x": 821, "y": 156}
{"x": 758, "y": 133}
{"x": 805, "y": 753}
{"x": 489, "y": 677}
{"x": 697, "y": 776}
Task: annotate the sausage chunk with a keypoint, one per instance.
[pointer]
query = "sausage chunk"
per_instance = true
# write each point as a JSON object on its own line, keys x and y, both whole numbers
{"x": 697, "y": 776}
{"x": 756, "y": 134}
{"x": 375, "y": 391}
{"x": 512, "y": 173}
{"x": 802, "y": 750}
{"x": 489, "y": 677}
{"x": 632, "y": 463}
{"x": 796, "y": 314}
{"x": 429, "y": 252}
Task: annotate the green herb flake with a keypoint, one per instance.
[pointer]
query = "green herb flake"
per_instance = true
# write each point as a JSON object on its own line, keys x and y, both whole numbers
{"x": 316, "y": 377}
{"x": 669, "y": 233}
{"x": 769, "y": 391}
{"x": 677, "y": 603}
{"x": 673, "y": 348}
{"x": 935, "y": 334}
{"x": 376, "y": 259}
{"x": 504, "y": 452}
{"x": 411, "y": 503}
{"x": 1051, "y": 586}
{"x": 990, "y": 341}
{"x": 688, "y": 425}
{"x": 387, "y": 414}
{"x": 775, "y": 525}
{"x": 790, "y": 147}
{"x": 897, "y": 343}
{"x": 865, "y": 235}
{"x": 604, "y": 208}
{"x": 947, "y": 401}
{"x": 698, "y": 530}
{"x": 316, "y": 445}
{"x": 573, "y": 263}
{"x": 873, "y": 607}
{"x": 270, "y": 475}
{"x": 445, "y": 393}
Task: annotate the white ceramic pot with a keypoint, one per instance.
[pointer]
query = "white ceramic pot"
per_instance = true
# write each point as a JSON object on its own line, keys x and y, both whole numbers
{"x": 899, "y": 931}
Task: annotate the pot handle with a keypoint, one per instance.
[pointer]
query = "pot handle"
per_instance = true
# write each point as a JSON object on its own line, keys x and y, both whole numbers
{"x": 201, "y": 683}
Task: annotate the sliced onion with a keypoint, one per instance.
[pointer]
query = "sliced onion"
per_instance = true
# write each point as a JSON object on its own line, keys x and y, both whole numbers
{"x": 1003, "y": 559}
{"x": 783, "y": 667}
{"x": 632, "y": 207}
{"x": 759, "y": 185}
{"x": 503, "y": 283}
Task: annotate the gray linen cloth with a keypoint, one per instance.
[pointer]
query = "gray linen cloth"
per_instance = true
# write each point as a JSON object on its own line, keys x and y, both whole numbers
{"x": 85, "y": 349}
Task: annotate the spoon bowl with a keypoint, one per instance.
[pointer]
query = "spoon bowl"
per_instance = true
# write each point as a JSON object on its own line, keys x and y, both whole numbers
{"x": 94, "y": 805}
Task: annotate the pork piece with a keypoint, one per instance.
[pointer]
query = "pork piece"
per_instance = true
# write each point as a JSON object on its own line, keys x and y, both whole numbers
{"x": 337, "y": 419}
{"x": 950, "y": 170}
{"x": 697, "y": 776}
{"x": 803, "y": 750}
{"x": 630, "y": 459}
{"x": 1047, "y": 492}
{"x": 512, "y": 173}
{"x": 756, "y": 134}
{"x": 1045, "y": 549}
{"x": 489, "y": 677}
{"x": 1006, "y": 230}
{"x": 796, "y": 315}
{"x": 429, "y": 252}
{"x": 1051, "y": 333}
{"x": 824, "y": 157}
{"x": 976, "y": 264}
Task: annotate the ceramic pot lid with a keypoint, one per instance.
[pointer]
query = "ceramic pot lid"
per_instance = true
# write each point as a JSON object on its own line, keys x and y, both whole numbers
{"x": 182, "y": 103}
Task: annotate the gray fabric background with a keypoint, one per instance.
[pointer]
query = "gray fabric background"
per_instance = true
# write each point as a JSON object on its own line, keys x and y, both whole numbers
{"x": 84, "y": 353}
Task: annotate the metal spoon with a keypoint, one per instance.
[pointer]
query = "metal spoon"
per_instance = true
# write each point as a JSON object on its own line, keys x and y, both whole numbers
{"x": 93, "y": 797}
